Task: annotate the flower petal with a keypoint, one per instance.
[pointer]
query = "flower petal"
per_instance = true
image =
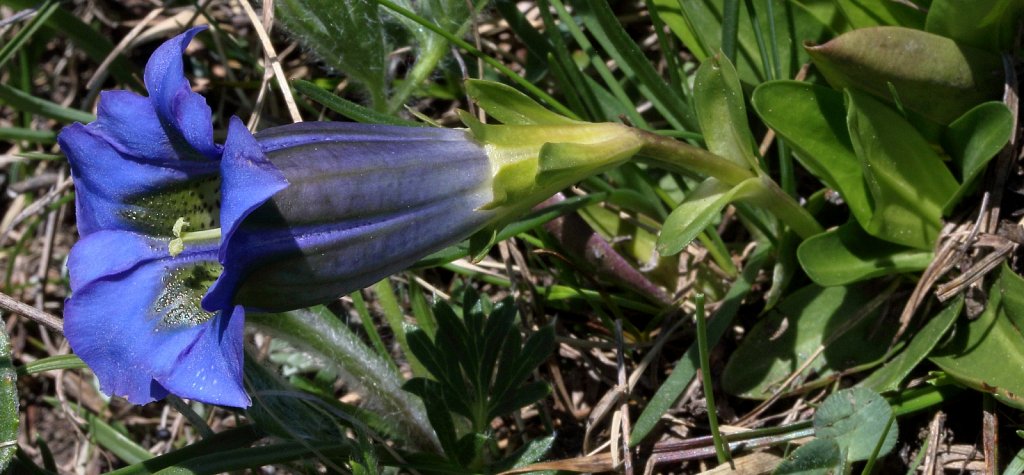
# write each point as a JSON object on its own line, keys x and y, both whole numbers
{"x": 140, "y": 328}
{"x": 119, "y": 191}
{"x": 248, "y": 178}
{"x": 130, "y": 125}
{"x": 184, "y": 114}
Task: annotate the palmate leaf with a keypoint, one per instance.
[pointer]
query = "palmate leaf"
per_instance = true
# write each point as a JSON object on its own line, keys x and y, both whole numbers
{"x": 479, "y": 365}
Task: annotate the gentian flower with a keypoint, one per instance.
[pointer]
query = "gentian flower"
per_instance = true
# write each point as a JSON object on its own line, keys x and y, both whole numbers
{"x": 181, "y": 236}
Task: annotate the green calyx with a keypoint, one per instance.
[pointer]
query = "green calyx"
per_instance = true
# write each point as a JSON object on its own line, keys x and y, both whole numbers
{"x": 531, "y": 162}
{"x": 536, "y": 152}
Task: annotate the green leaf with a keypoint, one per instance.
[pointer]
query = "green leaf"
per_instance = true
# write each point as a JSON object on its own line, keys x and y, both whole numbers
{"x": 280, "y": 409}
{"x": 320, "y": 333}
{"x": 908, "y": 181}
{"x": 698, "y": 24}
{"x": 889, "y": 376}
{"x": 847, "y": 254}
{"x": 256, "y": 457}
{"x": 348, "y": 108}
{"x": 218, "y": 443}
{"x": 51, "y": 363}
{"x": 8, "y": 403}
{"x": 868, "y": 13}
{"x": 529, "y": 453}
{"x": 685, "y": 369}
{"x": 812, "y": 120}
{"x": 932, "y": 75}
{"x": 349, "y": 39}
{"x": 33, "y": 105}
{"x": 974, "y": 139}
{"x": 978, "y": 354}
{"x": 817, "y": 457}
{"x": 607, "y": 30}
{"x": 839, "y": 321}
{"x": 721, "y": 112}
{"x": 988, "y": 24}
{"x": 856, "y": 419}
{"x": 510, "y": 106}
{"x": 702, "y": 206}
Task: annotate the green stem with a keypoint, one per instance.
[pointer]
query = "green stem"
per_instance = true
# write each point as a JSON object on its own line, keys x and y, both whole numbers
{"x": 680, "y": 157}
{"x": 433, "y": 50}
{"x": 783, "y": 206}
{"x": 721, "y": 450}
{"x": 536, "y": 91}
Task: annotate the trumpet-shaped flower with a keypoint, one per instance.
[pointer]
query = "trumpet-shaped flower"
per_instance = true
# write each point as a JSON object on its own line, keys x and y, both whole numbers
{"x": 181, "y": 236}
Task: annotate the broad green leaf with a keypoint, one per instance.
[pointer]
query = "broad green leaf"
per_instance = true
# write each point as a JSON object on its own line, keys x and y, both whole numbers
{"x": 988, "y": 24}
{"x": 721, "y": 113}
{"x": 702, "y": 206}
{"x": 510, "y": 106}
{"x": 817, "y": 457}
{"x": 893, "y": 372}
{"x": 856, "y": 420}
{"x": 980, "y": 353}
{"x": 908, "y": 181}
{"x": 868, "y": 13}
{"x": 783, "y": 340}
{"x": 698, "y": 23}
{"x": 812, "y": 120}
{"x": 973, "y": 140}
{"x": 847, "y": 254}
{"x": 932, "y": 75}
{"x": 8, "y": 403}
{"x": 349, "y": 39}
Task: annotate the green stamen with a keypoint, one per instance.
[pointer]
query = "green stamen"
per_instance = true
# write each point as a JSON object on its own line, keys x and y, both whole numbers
{"x": 177, "y": 245}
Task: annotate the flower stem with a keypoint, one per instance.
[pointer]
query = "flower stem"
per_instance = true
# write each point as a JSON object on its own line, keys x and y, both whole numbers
{"x": 431, "y": 54}
{"x": 681, "y": 157}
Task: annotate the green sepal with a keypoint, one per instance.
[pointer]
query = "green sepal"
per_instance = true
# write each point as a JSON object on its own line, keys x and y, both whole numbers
{"x": 531, "y": 162}
{"x": 510, "y": 106}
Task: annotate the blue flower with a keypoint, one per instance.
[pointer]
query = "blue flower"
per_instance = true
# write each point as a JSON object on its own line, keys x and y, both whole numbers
{"x": 181, "y": 236}
{"x": 135, "y": 314}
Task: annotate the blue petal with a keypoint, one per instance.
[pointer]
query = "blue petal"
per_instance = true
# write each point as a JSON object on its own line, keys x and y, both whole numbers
{"x": 106, "y": 253}
{"x": 115, "y": 190}
{"x": 130, "y": 125}
{"x": 183, "y": 113}
{"x": 139, "y": 327}
{"x": 248, "y": 178}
